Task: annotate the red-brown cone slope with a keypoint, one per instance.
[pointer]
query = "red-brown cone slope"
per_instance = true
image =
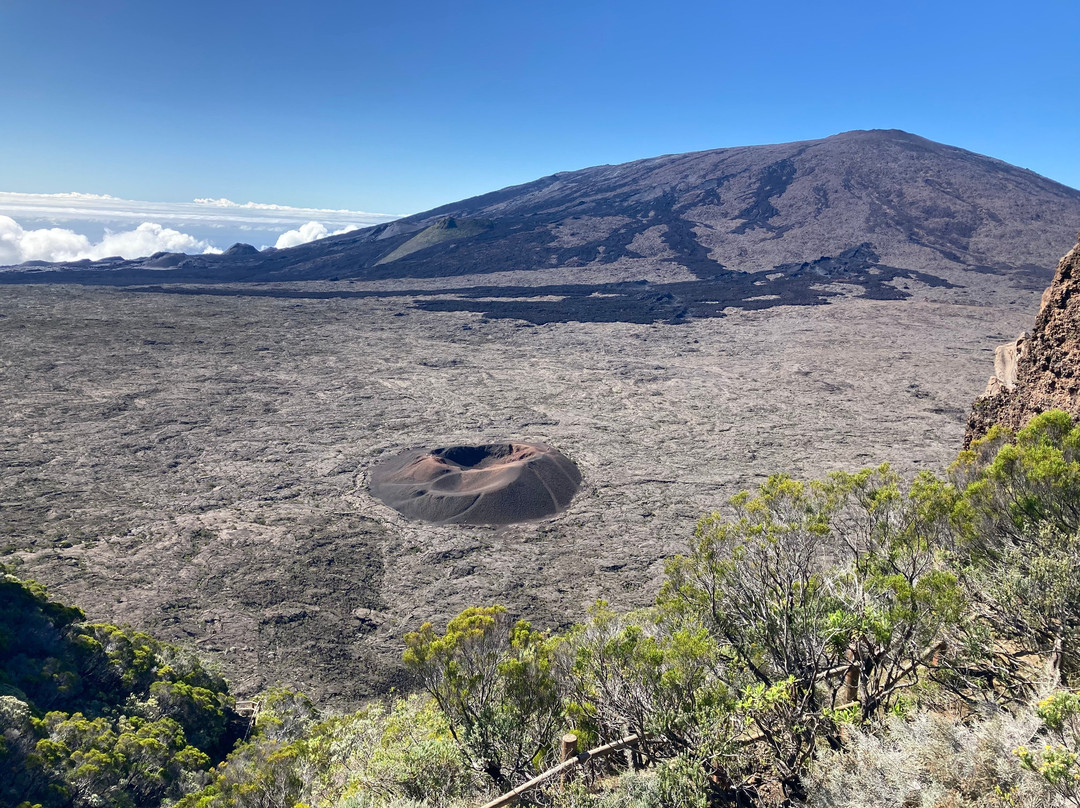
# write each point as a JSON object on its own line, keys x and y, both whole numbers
{"x": 495, "y": 484}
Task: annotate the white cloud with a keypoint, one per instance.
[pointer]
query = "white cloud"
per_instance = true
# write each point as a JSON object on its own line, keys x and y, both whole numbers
{"x": 147, "y": 239}
{"x": 59, "y": 244}
{"x": 102, "y": 207}
{"x": 228, "y": 203}
{"x": 69, "y": 195}
{"x": 308, "y": 232}
{"x": 73, "y": 223}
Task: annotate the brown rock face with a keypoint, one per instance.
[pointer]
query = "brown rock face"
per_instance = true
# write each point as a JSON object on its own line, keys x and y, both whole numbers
{"x": 1046, "y": 374}
{"x": 496, "y": 484}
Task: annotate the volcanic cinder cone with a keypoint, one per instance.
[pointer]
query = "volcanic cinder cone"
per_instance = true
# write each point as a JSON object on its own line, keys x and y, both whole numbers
{"x": 494, "y": 484}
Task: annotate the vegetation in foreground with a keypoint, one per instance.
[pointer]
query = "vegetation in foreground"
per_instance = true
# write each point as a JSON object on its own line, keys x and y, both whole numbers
{"x": 95, "y": 715}
{"x": 847, "y": 642}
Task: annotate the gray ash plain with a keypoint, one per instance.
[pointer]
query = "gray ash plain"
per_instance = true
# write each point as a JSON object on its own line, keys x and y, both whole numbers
{"x": 196, "y": 464}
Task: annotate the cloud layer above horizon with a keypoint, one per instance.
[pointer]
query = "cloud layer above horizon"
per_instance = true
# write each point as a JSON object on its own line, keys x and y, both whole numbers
{"x": 61, "y": 244}
{"x": 74, "y": 226}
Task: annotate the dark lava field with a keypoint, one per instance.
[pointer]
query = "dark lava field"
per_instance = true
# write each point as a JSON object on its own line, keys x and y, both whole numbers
{"x": 197, "y": 465}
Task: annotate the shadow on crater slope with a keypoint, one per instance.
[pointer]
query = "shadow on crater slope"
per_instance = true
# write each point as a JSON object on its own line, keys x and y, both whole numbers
{"x": 495, "y": 484}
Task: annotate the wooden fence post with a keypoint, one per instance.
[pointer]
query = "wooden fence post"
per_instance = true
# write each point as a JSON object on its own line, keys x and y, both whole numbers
{"x": 567, "y": 750}
{"x": 851, "y": 679}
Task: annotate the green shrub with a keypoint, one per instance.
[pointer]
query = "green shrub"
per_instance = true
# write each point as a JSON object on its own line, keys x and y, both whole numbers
{"x": 1056, "y": 764}
{"x": 494, "y": 681}
{"x": 1017, "y": 519}
{"x": 375, "y": 757}
{"x": 95, "y": 714}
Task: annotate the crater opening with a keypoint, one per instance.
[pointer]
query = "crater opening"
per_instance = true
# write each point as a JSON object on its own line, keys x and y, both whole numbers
{"x": 474, "y": 456}
{"x": 490, "y": 484}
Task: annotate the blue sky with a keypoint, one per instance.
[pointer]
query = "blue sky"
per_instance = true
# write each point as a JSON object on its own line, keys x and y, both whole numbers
{"x": 396, "y": 108}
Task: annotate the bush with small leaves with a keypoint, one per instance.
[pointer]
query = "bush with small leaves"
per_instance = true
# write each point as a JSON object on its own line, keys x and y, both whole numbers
{"x": 642, "y": 673}
{"x": 1017, "y": 520}
{"x": 494, "y": 681}
{"x": 821, "y": 595}
{"x": 930, "y": 760}
{"x": 1057, "y": 763}
{"x": 405, "y": 752}
{"x": 284, "y": 714}
{"x": 376, "y": 757}
{"x": 95, "y": 714}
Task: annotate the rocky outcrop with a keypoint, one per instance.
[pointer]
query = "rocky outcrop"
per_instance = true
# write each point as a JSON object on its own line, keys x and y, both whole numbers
{"x": 1041, "y": 370}
{"x": 1005, "y": 360}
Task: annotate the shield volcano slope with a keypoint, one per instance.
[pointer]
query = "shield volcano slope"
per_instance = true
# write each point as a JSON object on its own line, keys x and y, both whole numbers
{"x": 912, "y": 204}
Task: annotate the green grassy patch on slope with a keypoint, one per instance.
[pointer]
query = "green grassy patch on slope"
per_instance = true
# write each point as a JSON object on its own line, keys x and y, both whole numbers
{"x": 448, "y": 229}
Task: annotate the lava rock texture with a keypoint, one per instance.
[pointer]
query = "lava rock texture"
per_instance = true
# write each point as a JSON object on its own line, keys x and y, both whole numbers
{"x": 1047, "y": 369}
